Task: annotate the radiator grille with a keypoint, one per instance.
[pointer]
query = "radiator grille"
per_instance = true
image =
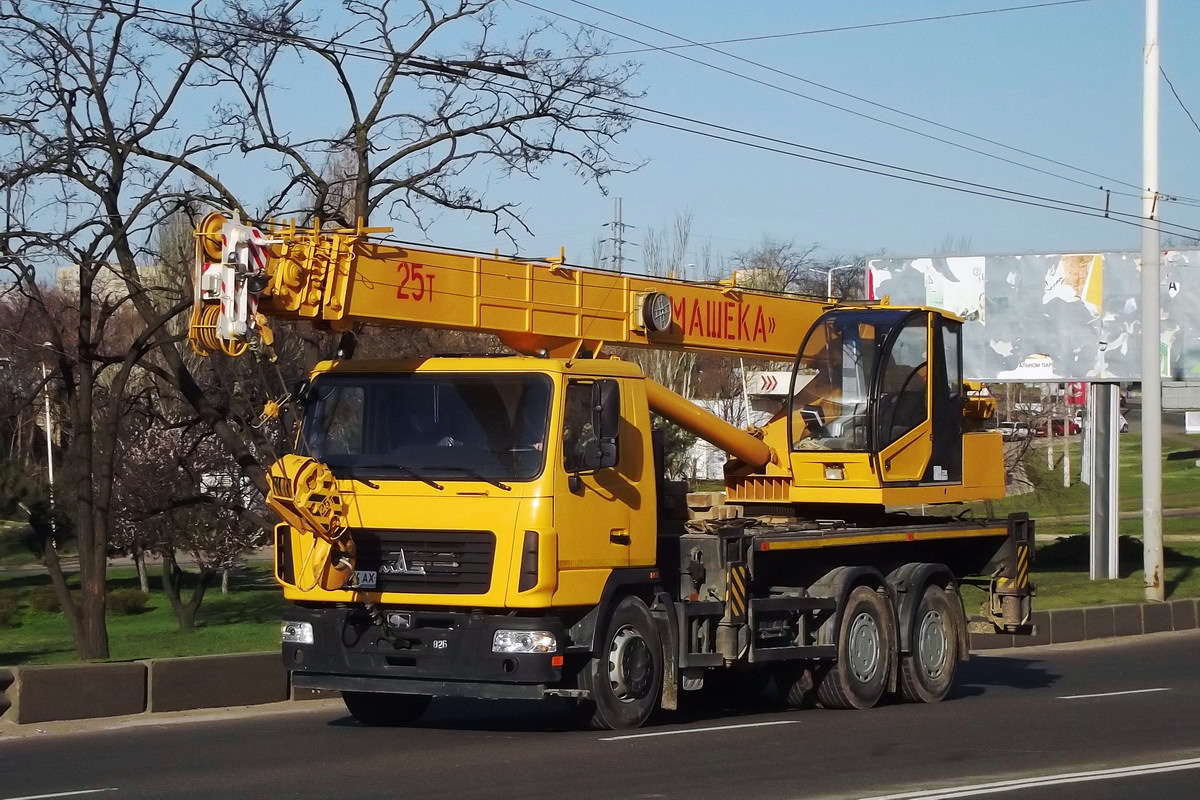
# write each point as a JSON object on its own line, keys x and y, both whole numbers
{"x": 438, "y": 562}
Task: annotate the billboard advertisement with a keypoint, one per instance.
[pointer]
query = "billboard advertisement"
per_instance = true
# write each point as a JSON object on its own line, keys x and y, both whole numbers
{"x": 1053, "y": 318}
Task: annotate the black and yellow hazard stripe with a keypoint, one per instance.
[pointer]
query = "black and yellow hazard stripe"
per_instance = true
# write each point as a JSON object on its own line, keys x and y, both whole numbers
{"x": 1020, "y": 577}
{"x": 735, "y": 592}
{"x": 1022, "y": 565}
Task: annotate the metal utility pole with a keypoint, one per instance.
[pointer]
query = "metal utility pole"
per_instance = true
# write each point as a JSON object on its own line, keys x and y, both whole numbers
{"x": 1151, "y": 319}
{"x": 618, "y": 237}
{"x": 1102, "y": 435}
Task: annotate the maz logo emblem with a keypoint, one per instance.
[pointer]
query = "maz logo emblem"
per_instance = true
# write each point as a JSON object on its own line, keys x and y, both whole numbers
{"x": 400, "y": 567}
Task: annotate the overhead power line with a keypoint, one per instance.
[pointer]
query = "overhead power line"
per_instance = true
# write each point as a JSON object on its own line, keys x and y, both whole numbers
{"x": 1179, "y": 99}
{"x": 775, "y": 145}
{"x": 690, "y": 43}
{"x": 844, "y": 28}
{"x": 944, "y": 182}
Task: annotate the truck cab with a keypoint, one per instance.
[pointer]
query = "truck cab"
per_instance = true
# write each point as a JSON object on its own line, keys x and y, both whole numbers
{"x": 489, "y": 502}
{"x": 530, "y": 479}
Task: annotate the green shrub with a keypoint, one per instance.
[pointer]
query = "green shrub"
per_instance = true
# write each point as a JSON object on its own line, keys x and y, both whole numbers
{"x": 42, "y": 599}
{"x": 126, "y": 602}
{"x": 10, "y": 603}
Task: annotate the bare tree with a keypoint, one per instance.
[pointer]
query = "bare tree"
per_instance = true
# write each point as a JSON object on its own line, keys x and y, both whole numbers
{"x": 176, "y": 495}
{"x": 428, "y": 128}
{"x": 100, "y": 146}
{"x": 664, "y": 253}
{"x": 90, "y": 142}
{"x": 783, "y": 266}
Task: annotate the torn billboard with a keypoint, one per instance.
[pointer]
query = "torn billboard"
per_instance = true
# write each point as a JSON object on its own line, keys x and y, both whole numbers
{"x": 1041, "y": 318}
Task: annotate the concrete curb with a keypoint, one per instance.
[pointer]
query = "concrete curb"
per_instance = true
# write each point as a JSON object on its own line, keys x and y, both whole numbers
{"x": 6, "y": 680}
{"x": 1064, "y": 625}
{"x": 90, "y": 691}
{"x": 243, "y": 679}
{"x": 81, "y": 691}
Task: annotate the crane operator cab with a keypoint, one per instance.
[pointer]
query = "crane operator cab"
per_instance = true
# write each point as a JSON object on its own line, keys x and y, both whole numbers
{"x": 875, "y": 415}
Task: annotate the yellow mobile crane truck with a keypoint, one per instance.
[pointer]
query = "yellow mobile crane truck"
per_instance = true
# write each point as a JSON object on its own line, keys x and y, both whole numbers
{"x": 497, "y": 528}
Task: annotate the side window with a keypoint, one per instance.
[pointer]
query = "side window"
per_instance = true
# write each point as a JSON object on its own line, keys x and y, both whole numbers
{"x": 952, "y": 337}
{"x": 904, "y": 382}
{"x": 590, "y": 419}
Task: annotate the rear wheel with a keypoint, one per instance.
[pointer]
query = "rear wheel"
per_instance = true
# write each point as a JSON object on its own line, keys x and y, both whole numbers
{"x": 625, "y": 678}
{"x": 927, "y": 671}
{"x": 796, "y": 686}
{"x": 865, "y": 644}
{"x": 377, "y": 709}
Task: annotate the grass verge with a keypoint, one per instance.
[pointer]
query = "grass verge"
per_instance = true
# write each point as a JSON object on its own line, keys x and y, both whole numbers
{"x": 1060, "y": 572}
{"x": 245, "y": 620}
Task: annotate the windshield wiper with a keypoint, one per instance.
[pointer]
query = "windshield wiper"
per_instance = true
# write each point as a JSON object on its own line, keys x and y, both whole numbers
{"x": 352, "y": 475}
{"x": 407, "y": 470}
{"x": 480, "y": 476}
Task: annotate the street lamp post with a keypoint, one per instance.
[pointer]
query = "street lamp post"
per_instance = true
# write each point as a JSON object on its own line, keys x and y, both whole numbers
{"x": 829, "y": 276}
{"x": 49, "y": 444}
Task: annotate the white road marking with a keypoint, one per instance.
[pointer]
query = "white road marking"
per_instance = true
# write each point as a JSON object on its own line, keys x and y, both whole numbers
{"x": 1114, "y": 694}
{"x": 60, "y": 794}
{"x": 1044, "y": 780}
{"x": 701, "y": 730}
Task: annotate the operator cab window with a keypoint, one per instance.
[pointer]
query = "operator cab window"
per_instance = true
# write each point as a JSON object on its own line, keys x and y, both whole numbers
{"x": 904, "y": 382}
{"x": 831, "y": 393}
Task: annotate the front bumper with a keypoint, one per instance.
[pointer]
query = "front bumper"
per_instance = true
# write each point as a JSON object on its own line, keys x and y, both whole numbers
{"x": 441, "y": 653}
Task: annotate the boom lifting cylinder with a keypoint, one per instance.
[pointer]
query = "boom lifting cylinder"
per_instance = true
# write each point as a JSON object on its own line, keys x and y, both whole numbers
{"x": 708, "y": 426}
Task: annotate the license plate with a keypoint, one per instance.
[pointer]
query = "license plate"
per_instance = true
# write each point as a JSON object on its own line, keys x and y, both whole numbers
{"x": 366, "y": 578}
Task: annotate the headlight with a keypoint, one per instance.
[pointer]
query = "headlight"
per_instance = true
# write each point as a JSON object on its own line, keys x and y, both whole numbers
{"x": 523, "y": 642}
{"x": 296, "y": 632}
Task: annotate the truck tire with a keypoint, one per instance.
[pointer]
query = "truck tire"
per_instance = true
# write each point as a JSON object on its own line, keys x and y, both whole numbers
{"x": 866, "y": 643}
{"x": 375, "y": 709}
{"x": 796, "y": 688}
{"x": 927, "y": 671}
{"x": 624, "y": 679}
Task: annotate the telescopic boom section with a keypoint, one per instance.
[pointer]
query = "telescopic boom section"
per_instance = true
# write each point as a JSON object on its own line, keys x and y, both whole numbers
{"x": 342, "y": 279}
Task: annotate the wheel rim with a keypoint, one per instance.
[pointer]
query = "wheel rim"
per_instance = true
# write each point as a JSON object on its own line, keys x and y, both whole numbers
{"x": 931, "y": 644}
{"x": 630, "y": 665}
{"x": 864, "y": 647}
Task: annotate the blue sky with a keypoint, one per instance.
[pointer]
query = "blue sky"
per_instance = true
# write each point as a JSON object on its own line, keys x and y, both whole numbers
{"x": 1063, "y": 82}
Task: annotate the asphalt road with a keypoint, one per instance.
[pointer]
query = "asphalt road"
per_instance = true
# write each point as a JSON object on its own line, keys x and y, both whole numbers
{"x": 1024, "y": 716}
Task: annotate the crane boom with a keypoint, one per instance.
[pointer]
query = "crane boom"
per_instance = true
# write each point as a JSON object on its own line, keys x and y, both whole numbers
{"x": 343, "y": 278}
{"x": 857, "y": 428}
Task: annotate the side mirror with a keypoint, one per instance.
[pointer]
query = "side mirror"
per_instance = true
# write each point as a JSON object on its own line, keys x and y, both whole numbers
{"x": 300, "y": 391}
{"x": 590, "y": 431}
{"x": 606, "y": 421}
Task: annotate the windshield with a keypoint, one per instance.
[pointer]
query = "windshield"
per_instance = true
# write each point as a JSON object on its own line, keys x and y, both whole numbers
{"x": 830, "y": 404}
{"x": 423, "y": 426}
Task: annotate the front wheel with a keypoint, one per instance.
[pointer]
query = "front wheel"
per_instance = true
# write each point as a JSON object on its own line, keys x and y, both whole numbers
{"x": 624, "y": 679}
{"x": 927, "y": 671}
{"x": 865, "y": 647}
{"x": 376, "y": 709}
